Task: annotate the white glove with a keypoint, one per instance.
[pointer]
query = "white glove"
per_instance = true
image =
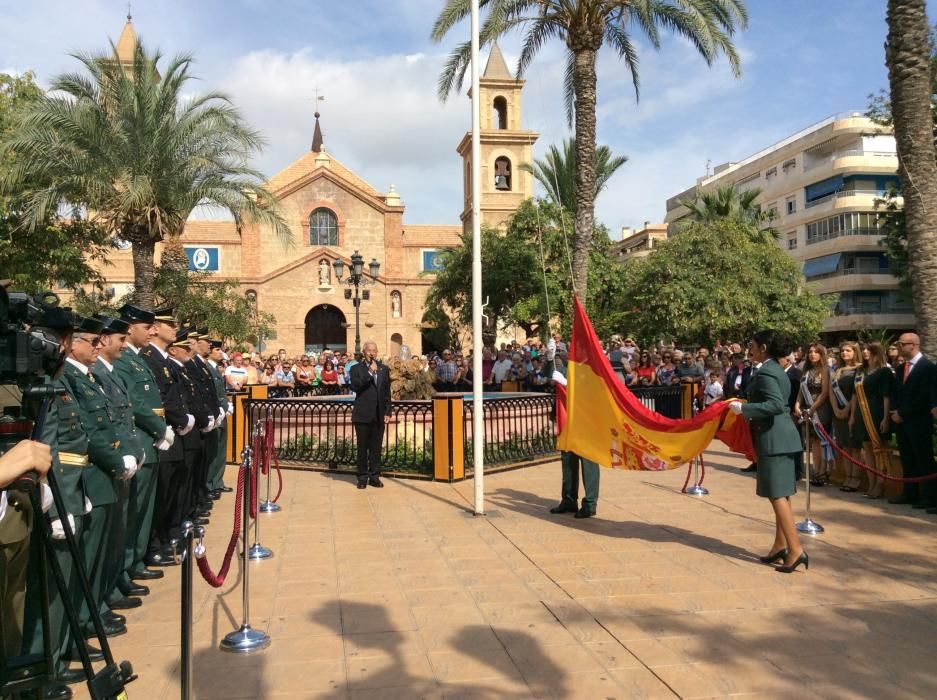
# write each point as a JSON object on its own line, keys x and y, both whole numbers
{"x": 220, "y": 419}
{"x": 189, "y": 424}
{"x": 46, "y": 497}
{"x": 230, "y": 408}
{"x": 130, "y": 468}
{"x": 551, "y": 349}
{"x": 211, "y": 425}
{"x": 58, "y": 530}
{"x": 558, "y": 378}
{"x": 736, "y": 407}
{"x": 165, "y": 442}
{"x": 3, "y": 504}
{"x": 88, "y": 505}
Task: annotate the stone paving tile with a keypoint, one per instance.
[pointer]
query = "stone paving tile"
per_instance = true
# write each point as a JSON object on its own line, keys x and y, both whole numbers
{"x": 401, "y": 593}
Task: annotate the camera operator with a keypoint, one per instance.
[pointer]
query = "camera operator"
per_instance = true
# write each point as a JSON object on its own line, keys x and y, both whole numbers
{"x": 16, "y": 518}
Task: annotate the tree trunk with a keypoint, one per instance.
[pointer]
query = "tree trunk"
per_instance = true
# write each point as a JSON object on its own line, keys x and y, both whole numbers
{"x": 143, "y": 270}
{"x": 585, "y": 81}
{"x": 907, "y": 55}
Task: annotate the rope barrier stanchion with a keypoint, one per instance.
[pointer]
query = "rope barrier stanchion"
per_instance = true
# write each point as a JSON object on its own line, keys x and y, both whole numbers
{"x": 257, "y": 551}
{"x": 872, "y": 470}
{"x": 185, "y": 645}
{"x": 269, "y": 506}
{"x": 697, "y": 489}
{"x": 245, "y": 639}
{"x": 808, "y": 526}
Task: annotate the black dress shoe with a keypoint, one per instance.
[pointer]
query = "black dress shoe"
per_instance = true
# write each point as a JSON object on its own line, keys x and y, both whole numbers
{"x": 584, "y": 513}
{"x": 376, "y": 483}
{"x": 134, "y": 589}
{"x": 751, "y": 468}
{"x": 200, "y": 521}
{"x": 110, "y": 630}
{"x": 226, "y": 489}
{"x": 146, "y": 575}
{"x": 564, "y": 507}
{"x": 362, "y": 484}
{"x": 160, "y": 559}
{"x": 125, "y": 603}
{"x": 901, "y": 500}
{"x": 215, "y": 495}
{"x": 72, "y": 675}
{"x": 93, "y": 654}
{"x": 58, "y": 692}
{"x": 113, "y": 618}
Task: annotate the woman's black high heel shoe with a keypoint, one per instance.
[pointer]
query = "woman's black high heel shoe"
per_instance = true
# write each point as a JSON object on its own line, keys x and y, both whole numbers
{"x": 802, "y": 559}
{"x": 771, "y": 558}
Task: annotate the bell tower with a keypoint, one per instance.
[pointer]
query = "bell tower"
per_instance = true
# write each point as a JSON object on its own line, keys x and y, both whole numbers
{"x": 504, "y": 146}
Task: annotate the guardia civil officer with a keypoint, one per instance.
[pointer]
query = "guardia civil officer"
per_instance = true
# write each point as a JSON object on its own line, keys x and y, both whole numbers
{"x": 198, "y": 372}
{"x": 216, "y": 467}
{"x": 110, "y": 349}
{"x": 111, "y": 459}
{"x": 156, "y": 437}
{"x": 171, "y": 462}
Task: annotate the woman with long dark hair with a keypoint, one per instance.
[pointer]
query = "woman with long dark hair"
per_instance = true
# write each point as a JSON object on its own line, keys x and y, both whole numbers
{"x": 869, "y": 421}
{"x": 777, "y": 443}
{"x": 817, "y": 382}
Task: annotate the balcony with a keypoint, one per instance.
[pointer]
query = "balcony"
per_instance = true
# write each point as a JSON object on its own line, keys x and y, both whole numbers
{"x": 840, "y": 198}
{"x": 847, "y": 280}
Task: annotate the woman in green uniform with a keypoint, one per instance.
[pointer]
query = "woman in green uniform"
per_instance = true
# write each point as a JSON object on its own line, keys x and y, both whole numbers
{"x": 776, "y": 443}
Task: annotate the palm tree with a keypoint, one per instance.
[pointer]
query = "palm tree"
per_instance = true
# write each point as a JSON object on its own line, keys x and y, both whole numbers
{"x": 907, "y": 55}
{"x": 125, "y": 145}
{"x": 586, "y": 26}
{"x": 557, "y": 172}
{"x": 727, "y": 202}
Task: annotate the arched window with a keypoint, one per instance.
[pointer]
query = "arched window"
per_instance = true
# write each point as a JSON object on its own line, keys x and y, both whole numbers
{"x": 500, "y": 113}
{"x": 323, "y": 227}
{"x": 396, "y": 304}
{"x": 503, "y": 173}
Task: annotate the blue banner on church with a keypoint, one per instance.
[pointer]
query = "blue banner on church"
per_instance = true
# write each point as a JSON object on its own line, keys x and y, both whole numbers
{"x": 202, "y": 259}
{"x": 432, "y": 261}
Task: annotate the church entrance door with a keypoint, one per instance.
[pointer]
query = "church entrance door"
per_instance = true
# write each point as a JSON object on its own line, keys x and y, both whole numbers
{"x": 326, "y": 329}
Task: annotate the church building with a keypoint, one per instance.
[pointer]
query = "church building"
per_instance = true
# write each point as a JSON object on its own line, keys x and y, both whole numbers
{"x": 334, "y": 212}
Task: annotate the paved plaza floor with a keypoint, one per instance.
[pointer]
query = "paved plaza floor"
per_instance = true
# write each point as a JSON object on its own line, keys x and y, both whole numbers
{"x": 402, "y": 593}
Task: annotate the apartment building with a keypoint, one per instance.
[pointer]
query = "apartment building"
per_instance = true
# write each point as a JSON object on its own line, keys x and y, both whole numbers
{"x": 822, "y": 184}
{"x": 638, "y": 243}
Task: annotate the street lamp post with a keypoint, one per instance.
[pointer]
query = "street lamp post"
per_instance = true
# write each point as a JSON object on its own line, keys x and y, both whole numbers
{"x": 357, "y": 279}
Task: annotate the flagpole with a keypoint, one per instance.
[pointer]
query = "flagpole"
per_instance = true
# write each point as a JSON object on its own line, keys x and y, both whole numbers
{"x": 478, "y": 416}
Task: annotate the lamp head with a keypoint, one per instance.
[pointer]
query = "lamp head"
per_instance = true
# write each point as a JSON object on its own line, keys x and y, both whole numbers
{"x": 339, "y": 268}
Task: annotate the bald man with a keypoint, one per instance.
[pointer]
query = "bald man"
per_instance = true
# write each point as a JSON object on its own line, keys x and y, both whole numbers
{"x": 912, "y": 414}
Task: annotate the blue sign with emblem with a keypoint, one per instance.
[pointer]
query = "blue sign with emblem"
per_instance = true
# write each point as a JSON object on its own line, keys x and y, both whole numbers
{"x": 432, "y": 261}
{"x": 202, "y": 259}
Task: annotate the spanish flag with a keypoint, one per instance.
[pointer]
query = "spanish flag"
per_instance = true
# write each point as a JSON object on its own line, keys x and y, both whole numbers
{"x": 605, "y": 421}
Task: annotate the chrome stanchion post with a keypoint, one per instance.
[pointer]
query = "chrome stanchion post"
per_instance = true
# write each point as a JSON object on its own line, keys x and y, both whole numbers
{"x": 268, "y": 506}
{"x": 808, "y": 526}
{"x": 245, "y": 639}
{"x": 697, "y": 489}
{"x": 257, "y": 550}
{"x": 186, "y": 632}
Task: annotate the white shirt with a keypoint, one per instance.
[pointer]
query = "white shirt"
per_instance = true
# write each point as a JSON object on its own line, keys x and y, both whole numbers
{"x": 75, "y": 363}
{"x": 500, "y": 369}
{"x": 107, "y": 365}
{"x": 913, "y": 361}
{"x": 136, "y": 350}
{"x": 163, "y": 353}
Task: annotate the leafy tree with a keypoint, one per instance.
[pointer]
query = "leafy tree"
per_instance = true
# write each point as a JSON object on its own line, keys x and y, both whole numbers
{"x": 129, "y": 145}
{"x": 556, "y": 172}
{"x": 585, "y": 26}
{"x": 908, "y": 55}
{"x": 58, "y": 251}
{"x": 689, "y": 290}
{"x": 726, "y": 202}
{"x": 524, "y": 288}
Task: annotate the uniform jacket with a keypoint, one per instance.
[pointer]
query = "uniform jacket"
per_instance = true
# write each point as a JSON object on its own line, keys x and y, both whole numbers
{"x": 372, "y": 401}
{"x": 197, "y": 369}
{"x": 171, "y": 396}
{"x": 105, "y": 451}
{"x": 773, "y": 431}
{"x": 145, "y": 398}
{"x": 64, "y": 432}
{"x": 192, "y": 401}
{"x": 121, "y": 409}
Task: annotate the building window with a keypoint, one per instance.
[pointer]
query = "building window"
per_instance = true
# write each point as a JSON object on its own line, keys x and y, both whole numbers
{"x": 503, "y": 174}
{"x": 792, "y": 240}
{"x": 851, "y": 224}
{"x": 790, "y": 205}
{"x": 323, "y": 227}
{"x": 500, "y": 113}
{"x": 396, "y": 304}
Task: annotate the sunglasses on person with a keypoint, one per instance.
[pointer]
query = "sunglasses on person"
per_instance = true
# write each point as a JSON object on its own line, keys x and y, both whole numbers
{"x": 668, "y": 357}
{"x": 93, "y": 342}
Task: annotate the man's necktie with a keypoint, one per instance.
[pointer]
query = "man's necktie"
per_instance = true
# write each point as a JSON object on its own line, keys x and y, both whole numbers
{"x": 907, "y": 371}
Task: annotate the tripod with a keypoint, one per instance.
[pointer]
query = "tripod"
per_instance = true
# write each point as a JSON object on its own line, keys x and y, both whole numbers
{"x": 28, "y": 675}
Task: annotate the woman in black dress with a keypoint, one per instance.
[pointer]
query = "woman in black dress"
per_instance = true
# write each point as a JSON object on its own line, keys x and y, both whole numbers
{"x": 869, "y": 416}
{"x": 817, "y": 382}
{"x": 844, "y": 379}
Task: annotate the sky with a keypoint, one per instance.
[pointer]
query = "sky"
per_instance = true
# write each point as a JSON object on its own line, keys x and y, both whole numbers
{"x": 373, "y": 61}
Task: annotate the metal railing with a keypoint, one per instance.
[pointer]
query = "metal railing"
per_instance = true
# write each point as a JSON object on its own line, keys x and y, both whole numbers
{"x": 860, "y": 231}
{"x": 665, "y": 400}
{"x": 320, "y": 431}
{"x": 517, "y": 428}
{"x": 840, "y": 194}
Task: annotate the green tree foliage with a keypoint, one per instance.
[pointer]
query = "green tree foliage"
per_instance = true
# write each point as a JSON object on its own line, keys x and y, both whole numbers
{"x": 136, "y": 149}
{"x": 726, "y": 202}
{"x": 522, "y": 287}
{"x": 556, "y": 172}
{"x": 691, "y": 291}
{"x": 58, "y": 250}
{"x": 585, "y": 27}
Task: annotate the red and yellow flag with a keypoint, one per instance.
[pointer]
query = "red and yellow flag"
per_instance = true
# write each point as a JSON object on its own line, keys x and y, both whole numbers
{"x": 607, "y": 424}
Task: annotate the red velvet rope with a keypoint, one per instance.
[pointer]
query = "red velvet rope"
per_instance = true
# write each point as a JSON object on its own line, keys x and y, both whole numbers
{"x": 689, "y": 472}
{"x": 872, "y": 470}
{"x": 253, "y": 476}
{"x": 702, "y": 471}
{"x": 217, "y": 580}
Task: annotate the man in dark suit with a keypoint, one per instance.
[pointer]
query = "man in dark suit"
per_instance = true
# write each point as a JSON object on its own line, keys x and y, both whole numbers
{"x": 737, "y": 378}
{"x": 370, "y": 380}
{"x": 912, "y": 414}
